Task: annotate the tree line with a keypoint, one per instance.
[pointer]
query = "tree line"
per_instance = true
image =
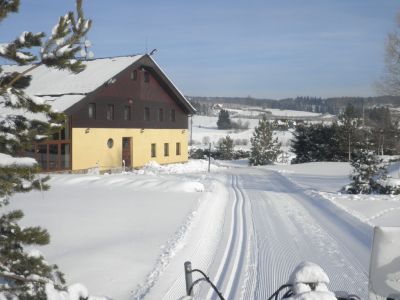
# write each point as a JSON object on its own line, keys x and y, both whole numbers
{"x": 334, "y": 106}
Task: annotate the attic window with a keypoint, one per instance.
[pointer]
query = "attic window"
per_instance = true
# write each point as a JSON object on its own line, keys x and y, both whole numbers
{"x": 134, "y": 75}
{"x": 146, "y": 76}
{"x": 172, "y": 116}
{"x": 110, "y": 112}
{"x": 92, "y": 111}
{"x": 127, "y": 113}
{"x": 147, "y": 114}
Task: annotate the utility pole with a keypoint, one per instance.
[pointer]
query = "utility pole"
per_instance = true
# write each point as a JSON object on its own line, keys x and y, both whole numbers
{"x": 191, "y": 130}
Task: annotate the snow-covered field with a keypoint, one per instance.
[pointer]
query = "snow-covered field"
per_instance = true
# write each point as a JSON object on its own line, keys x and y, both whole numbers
{"x": 127, "y": 235}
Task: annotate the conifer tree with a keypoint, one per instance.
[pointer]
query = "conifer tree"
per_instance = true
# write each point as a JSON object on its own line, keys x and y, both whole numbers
{"x": 23, "y": 274}
{"x": 367, "y": 169}
{"x": 225, "y": 147}
{"x": 264, "y": 147}
{"x": 224, "y": 121}
{"x": 300, "y": 144}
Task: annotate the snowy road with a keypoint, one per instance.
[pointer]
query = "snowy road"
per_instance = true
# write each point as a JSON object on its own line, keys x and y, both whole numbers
{"x": 270, "y": 227}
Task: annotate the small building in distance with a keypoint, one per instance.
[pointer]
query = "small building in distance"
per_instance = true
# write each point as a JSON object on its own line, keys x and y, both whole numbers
{"x": 121, "y": 111}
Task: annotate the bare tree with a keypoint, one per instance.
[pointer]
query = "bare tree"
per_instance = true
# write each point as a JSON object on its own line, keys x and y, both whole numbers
{"x": 389, "y": 84}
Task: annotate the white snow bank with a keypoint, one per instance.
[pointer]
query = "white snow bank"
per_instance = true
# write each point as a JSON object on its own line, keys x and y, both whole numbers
{"x": 192, "y": 166}
{"x": 8, "y": 161}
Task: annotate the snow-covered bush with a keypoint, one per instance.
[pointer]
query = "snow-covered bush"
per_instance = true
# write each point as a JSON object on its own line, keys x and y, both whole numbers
{"x": 369, "y": 175}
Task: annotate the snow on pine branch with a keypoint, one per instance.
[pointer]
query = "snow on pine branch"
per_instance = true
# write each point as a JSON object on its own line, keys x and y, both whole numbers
{"x": 7, "y": 161}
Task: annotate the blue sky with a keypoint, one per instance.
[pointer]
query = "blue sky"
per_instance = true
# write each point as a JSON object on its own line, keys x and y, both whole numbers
{"x": 263, "y": 49}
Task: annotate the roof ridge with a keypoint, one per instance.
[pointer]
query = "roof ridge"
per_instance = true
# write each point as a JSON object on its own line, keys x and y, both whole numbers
{"x": 110, "y": 57}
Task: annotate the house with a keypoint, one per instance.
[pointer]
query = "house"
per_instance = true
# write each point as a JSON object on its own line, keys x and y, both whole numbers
{"x": 121, "y": 111}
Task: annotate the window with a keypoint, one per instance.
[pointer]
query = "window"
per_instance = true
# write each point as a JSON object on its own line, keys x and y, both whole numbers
{"x": 110, "y": 143}
{"x": 110, "y": 112}
{"x": 127, "y": 112}
{"x": 178, "y": 148}
{"x": 160, "y": 115}
{"x": 147, "y": 114}
{"x": 134, "y": 75}
{"x": 172, "y": 116}
{"x": 153, "y": 150}
{"x": 146, "y": 76}
{"x": 166, "y": 149}
{"x": 92, "y": 111}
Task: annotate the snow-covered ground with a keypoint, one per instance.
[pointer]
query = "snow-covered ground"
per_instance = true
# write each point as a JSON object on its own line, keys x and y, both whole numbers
{"x": 111, "y": 231}
{"x": 127, "y": 235}
{"x": 326, "y": 180}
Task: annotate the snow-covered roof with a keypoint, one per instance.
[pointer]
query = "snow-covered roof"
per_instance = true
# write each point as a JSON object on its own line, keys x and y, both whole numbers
{"x": 72, "y": 87}
{"x": 62, "y": 89}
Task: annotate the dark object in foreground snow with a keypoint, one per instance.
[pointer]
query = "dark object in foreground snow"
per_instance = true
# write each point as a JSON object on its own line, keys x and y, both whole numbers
{"x": 309, "y": 281}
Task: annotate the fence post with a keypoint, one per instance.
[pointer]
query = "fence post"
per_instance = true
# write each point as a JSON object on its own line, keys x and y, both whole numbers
{"x": 209, "y": 159}
{"x": 188, "y": 278}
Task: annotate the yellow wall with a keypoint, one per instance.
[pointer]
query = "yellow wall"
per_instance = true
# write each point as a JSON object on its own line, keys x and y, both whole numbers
{"x": 89, "y": 146}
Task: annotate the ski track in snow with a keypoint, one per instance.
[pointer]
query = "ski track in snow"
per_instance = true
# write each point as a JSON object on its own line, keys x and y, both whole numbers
{"x": 232, "y": 266}
{"x": 288, "y": 234}
{"x": 250, "y": 242}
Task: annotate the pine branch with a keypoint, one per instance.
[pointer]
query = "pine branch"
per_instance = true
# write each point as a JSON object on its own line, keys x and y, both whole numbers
{"x": 8, "y": 6}
{"x": 22, "y": 279}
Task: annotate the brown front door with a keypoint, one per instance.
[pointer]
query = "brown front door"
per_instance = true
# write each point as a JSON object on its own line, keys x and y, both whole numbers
{"x": 126, "y": 151}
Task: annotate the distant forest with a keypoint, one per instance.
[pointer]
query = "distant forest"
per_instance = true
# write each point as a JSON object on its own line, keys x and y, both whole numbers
{"x": 334, "y": 106}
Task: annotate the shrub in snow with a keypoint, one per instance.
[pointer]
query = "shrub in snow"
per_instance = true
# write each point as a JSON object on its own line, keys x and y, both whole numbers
{"x": 26, "y": 275}
{"x": 264, "y": 147}
{"x": 216, "y": 154}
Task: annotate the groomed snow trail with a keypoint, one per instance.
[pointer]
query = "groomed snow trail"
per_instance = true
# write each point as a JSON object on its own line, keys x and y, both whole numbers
{"x": 250, "y": 237}
{"x": 288, "y": 233}
{"x": 272, "y": 226}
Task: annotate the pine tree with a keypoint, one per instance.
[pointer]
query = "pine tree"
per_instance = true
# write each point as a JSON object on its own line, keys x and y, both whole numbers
{"x": 367, "y": 169}
{"x": 264, "y": 147}
{"x": 300, "y": 144}
{"x": 26, "y": 275}
{"x": 224, "y": 121}
{"x": 225, "y": 148}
